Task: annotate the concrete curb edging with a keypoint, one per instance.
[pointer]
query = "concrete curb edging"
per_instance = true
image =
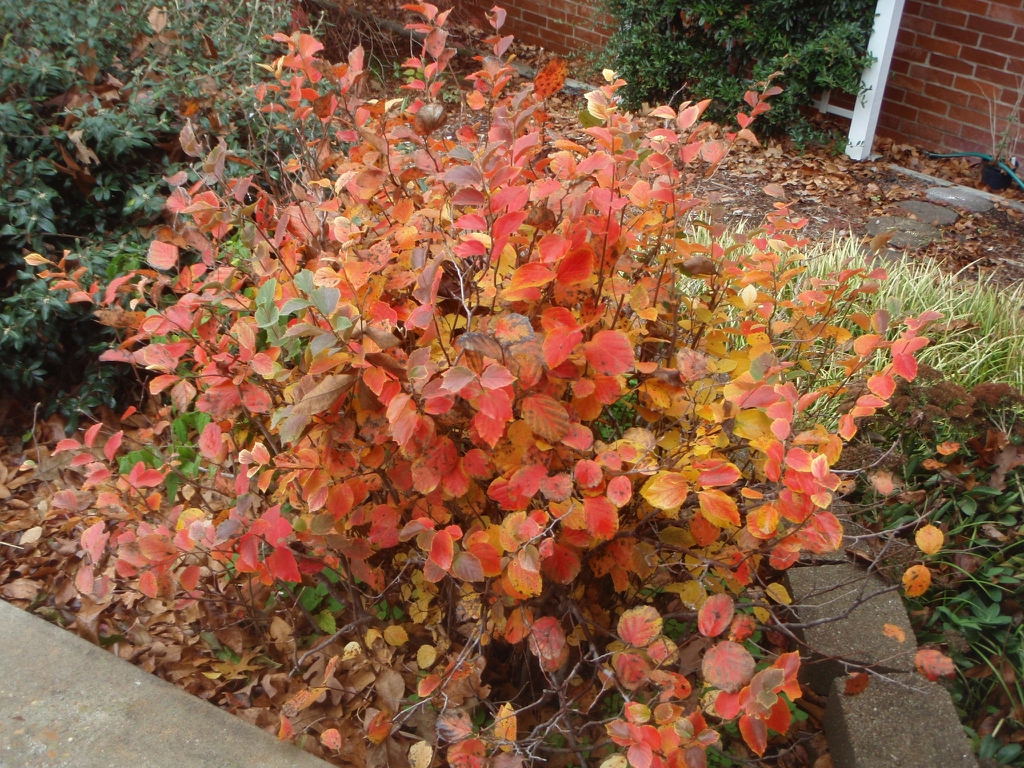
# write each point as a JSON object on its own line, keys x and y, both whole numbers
{"x": 65, "y": 703}
{"x": 901, "y": 720}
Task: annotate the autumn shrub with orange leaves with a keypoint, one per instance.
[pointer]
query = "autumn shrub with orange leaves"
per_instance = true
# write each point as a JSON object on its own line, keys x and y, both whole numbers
{"x": 490, "y": 376}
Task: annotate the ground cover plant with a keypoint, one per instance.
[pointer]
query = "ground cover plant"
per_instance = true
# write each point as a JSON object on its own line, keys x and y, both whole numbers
{"x": 472, "y": 433}
{"x": 953, "y": 481}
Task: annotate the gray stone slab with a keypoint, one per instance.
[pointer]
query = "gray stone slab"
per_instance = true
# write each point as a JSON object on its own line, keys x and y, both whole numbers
{"x": 65, "y": 703}
{"x": 929, "y": 213}
{"x": 906, "y": 722}
{"x": 906, "y": 232}
{"x": 960, "y": 197}
{"x": 857, "y": 638}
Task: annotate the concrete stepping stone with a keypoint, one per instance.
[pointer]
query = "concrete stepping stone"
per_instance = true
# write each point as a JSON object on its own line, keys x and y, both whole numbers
{"x": 929, "y": 213}
{"x": 859, "y": 638}
{"x": 960, "y": 197}
{"x": 904, "y": 721}
{"x": 907, "y": 233}
{"x": 65, "y": 703}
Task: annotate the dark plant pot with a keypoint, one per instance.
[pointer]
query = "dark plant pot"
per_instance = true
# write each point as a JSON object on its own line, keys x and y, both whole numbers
{"x": 994, "y": 177}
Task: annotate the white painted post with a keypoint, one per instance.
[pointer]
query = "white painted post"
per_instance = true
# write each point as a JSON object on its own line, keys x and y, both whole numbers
{"x": 869, "y": 105}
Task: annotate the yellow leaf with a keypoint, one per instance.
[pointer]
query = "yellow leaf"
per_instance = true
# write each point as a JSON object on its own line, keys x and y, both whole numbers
{"x": 691, "y": 593}
{"x": 897, "y": 634}
{"x": 505, "y": 726}
{"x": 395, "y": 636}
{"x": 426, "y": 656}
{"x": 420, "y": 754}
{"x": 761, "y": 615}
{"x": 929, "y": 539}
{"x": 778, "y": 593}
{"x": 666, "y": 490}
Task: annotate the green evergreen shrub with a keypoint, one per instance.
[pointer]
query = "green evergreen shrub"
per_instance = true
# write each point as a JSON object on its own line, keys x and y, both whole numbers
{"x": 92, "y": 97}
{"x": 714, "y": 49}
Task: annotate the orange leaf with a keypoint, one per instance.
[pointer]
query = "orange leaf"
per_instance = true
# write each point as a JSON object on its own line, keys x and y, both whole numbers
{"x": 638, "y": 626}
{"x": 947, "y": 448}
{"x": 550, "y": 80}
{"x": 897, "y": 634}
{"x": 162, "y": 255}
{"x": 916, "y": 580}
{"x": 546, "y": 417}
{"x": 666, "y": 490}
{"x": 505, "y": 726}
{"x": 934, "y": 665}
{"x": 719, "y": 508}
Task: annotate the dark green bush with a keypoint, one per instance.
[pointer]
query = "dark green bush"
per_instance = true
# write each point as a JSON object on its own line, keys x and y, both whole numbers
{"x": 713, "y": 49}
{"x": 93, "y": 94}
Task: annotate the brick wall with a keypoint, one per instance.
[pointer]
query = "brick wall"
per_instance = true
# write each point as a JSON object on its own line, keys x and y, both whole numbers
{"x": 948, "y": 54}
{"x": 560, "y": 26}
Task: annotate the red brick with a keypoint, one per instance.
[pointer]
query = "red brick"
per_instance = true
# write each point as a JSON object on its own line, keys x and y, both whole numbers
{"x": 909, "y": 52}
{"x": 931, "y": 74}
{"x": 912, "y": 8}
{"x": 909, "y": 83}
{"x": 968, "y": 116}
{"x": 985, "y": 58}
{"x": 979, "y": 135}
{"x": 951, "y": 65}
{"x": 1009, "y": 96}
{"x": 887, "y": 121}
{"x": 928, "y": 133}
{"x": 968, "y": 6}
{"x": 917, "y": 24}
{"x": 938, "y": 45}
{"x": 1011, "y": 49}
{"x": 926, "y": 103}
{"x": 901, "y": 111}
{"x": 902, "y": 66}
{"x": 1013, "y": 16}
{"x": 594, "y": 39}
{"x": 944, "y": 15}
{"x": 990, "y": 26}
{"x": 946, "y": 95}
{"x": 965, "y": 36}
{"x": 1016, "y": 66}
{"x": 998, "y": 77}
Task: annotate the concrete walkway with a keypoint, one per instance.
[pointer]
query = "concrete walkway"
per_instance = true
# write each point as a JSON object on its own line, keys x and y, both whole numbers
{"x": 65, "y": 703}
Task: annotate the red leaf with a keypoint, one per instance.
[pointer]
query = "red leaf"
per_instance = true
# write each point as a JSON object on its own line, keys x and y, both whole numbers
{"x": 496, "y": 376}
{"x": 547, "y": 642}
{"x": 631, "y": 669}
{"x": 281, "y": 565}
{"x": 714, "y": 616}
{"x": 94, "y": 540}
{"x": 67, "y": 444}
{"x": 546, "y": 417}
{"x": 619, "y": 491}
{"x": 717, "y": 472}
{"x": 638, "y": 626}
{"x": 601, "y": 516}
{"x": 331, "y": 739}
{"x": 562, "y": 566}
{"x": 162, "y": 255}
{"x": 610, "y": 353}
{"x": 110, "y": 449}
{"x": 933, "y": 664}
{"x": 728, "y": 666}
{"x": 211, "y": 441}
{"x": 588, "y": 473}
{"x": 559, "y": 344}
{"x": 856, "y": 683}
{"x": 755, "y": 733}
{"x": 442, "y": 549}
